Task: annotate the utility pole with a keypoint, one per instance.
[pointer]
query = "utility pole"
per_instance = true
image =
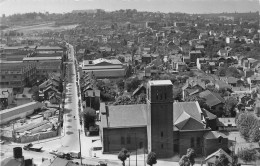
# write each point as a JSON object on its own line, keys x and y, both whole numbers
{"x": 129, "y": 158}
{"x": 135, "y": 149}
{"x": 80, "y": 149}
{"x": 144, "y": 150}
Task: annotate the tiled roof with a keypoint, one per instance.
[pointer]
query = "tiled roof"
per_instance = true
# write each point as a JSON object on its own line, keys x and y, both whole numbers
{"x": 188, "y": 116}
{"x": 214, "y": 135}
{"x": 218, "y": 153}
{"x": 124, "y": 116}
{"x": 226, "y": 122}
{"x": 209, "y": 115}
{"x": 212, "y": 99}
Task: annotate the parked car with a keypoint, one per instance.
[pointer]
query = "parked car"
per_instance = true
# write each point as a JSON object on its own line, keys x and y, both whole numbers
{"x": 101, "y": 163}
{"x": 32, "y": 147}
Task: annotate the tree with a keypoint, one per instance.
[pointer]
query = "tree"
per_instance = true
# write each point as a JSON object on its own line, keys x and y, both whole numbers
{"x": 191, "y": 155}
{"x": 123, "y": 155}
{"x": 234, "y": 72}
{"x": 120, "y": 84}
{"x": 132, "y": 83}
{"x": 188, "y": 159}
{"x": 221, "y": 71}
{"x": 229, "y": 107}
{"x": 247, "y": 155}
{"x": 89, "y": 116}
{"x": 151, "y": 159}
{"x": 248, "y": 125}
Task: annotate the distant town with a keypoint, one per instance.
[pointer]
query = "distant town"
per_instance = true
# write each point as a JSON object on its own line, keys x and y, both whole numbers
{"x": 131, "y": 88}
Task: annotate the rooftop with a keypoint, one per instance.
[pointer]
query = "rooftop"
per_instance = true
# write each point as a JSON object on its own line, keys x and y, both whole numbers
{"x": 160, "y": 82}
{"x": 101, "y": 60}
{"x": 124, "y": 116}
{"x": 41, "y": 58}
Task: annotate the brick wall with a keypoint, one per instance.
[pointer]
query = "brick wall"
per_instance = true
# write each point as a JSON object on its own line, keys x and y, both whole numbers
{"x": 116, "y": 139}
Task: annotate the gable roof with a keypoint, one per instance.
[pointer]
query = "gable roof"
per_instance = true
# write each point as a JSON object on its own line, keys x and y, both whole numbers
{"x": 209, "y": 115}
{"x": 226, "y": 122}
{"x": 212, "y": 99}
{"x": 139, "y": 88}
{"x": 121, "y": 116}
{"x": 188, "y": 116}
{"x": 218, "y": 153}
{"x": 214, "y": 135}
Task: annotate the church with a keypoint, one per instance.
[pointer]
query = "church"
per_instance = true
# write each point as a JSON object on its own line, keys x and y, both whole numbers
{"x": 161, "y": 126}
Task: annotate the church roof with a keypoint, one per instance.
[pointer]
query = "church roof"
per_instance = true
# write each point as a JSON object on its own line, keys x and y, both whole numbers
{"x": 121, "y": 116}
{"x": 186, "y": 116}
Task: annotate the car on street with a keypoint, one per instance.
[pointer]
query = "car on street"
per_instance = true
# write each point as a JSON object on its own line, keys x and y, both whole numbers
{"x": 101, "y": 163}
{"x": 32, "y": 147}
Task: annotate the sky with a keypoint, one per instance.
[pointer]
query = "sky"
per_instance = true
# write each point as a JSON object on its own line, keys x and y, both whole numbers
{"x": 9, "y": 7}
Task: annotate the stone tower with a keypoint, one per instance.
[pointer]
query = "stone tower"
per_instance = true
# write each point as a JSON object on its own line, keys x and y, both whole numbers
{"x": 160, "y": 117}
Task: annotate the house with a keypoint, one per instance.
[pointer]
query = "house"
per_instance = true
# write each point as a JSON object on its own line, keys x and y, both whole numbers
{"x": 193, "y": 55}
{"x": 48, "y": 91}
{"x": 141, "y": 89}
{"x": 211, "y": 119}
{"x": 92, "y": 98}
{"x": 210, "y": 159}
{"x": 226, "y": 124}
{"x": 55, "y": 98}
{"x": 6, "y": 97}
{"x": 192, "y": 87}
{"x": 219, "y": 84}
{"x": 230, "y": 80}
{"x": 213, "y": 100}
{"x": 213, "y": 140}
{"x": 199, "y": 47}
{"x": 223, "y": 53}
{"x": 255, "y": 79}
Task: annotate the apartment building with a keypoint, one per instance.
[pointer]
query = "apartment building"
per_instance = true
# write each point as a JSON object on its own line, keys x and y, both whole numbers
{"x": 17, "y": 75}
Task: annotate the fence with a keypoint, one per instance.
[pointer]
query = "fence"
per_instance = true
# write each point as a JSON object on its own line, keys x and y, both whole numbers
{"x": 35, "y": 137}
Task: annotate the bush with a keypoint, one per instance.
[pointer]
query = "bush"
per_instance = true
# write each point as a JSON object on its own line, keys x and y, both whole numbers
{"x": 247, "y": 155}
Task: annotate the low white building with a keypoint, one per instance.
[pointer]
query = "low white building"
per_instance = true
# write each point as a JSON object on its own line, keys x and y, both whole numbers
{"x": 104, "y": 68}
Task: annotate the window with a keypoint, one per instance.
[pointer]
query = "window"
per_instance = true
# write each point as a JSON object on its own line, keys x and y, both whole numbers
{"x": 128, "y": 140}
{"x": 161, "y": 97}
{"x": 165, "y": 95}
{"x": 122, "y": 140}
{"x": 3, "y": 76}
{"x": 157, "y": 95}
{"x": 198, "y": 141}
{"x": 192, "y": 142}
{"x": 161, "y": 134}
{"x": 162, "y": 146}
{"x": 15, "y": 76}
